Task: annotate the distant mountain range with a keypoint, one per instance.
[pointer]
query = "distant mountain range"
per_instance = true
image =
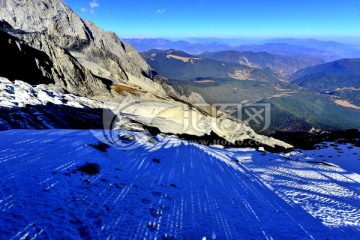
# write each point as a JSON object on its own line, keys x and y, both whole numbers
{"x": 330, "y": 76}
{"x": 179, "y": 65}
{"x": 324, "y": 50}
{"x": 330, "y": 98}
{"x": 325, "y": 96}
{"x": 284, "y": 65}
{"x": 146, "y": 44}
{"x": 344, "y": 50}
{"x": 339, "y": 78}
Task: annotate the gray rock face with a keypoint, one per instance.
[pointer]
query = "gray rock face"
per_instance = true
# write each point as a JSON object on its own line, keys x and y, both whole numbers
{"x": 67, "y": 72}
{"x": 52, "y": 17}
{"x": 129, "y": 57}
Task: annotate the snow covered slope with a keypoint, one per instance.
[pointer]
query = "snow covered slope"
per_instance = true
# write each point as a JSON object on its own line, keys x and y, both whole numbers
{"x": 22, "y": 94}
{"x": 27, "y": 107}
{"x": 65, "y": 184}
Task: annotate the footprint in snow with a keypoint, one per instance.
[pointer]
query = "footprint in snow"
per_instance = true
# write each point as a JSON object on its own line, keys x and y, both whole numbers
{"x": 155, "y": 212}
{"x": 90, "y": 169}
{"x": 153, "y": 226}
{"x": 156, "y": 194}
{"x": 102, "y": 147}
{"x": 145, "y": 201}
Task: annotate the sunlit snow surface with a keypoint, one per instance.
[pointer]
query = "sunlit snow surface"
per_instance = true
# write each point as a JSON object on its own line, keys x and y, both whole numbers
{"x": 172, "y": 189}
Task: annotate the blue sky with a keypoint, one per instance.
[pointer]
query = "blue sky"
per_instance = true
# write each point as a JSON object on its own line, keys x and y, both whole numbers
{"x": 223, "y": 19}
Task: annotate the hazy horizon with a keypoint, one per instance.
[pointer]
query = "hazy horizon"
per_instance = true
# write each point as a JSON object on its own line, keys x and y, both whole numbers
{"x": 323, "y": 20}
{"x": 250, "y": 40}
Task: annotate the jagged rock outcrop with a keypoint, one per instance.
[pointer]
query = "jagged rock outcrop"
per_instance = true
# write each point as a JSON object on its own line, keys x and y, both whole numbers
{"x": 128, "y": 56}
{"x": 42, "y": 62}
{"x": 67, "y": 71}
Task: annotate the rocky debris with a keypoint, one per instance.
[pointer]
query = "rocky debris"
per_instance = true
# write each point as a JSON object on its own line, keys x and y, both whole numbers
{"x": 312, "y": 140}
{"x": 196, "y": 98}
{"x": 50, "y": 116}
{"x": 156, "y": 160}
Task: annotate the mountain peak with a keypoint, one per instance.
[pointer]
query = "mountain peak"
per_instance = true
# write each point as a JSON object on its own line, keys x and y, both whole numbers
{"x": 52, "y": 17}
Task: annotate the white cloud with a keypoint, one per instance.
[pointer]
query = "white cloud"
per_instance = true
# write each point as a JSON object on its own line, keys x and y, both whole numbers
{"x": 94, "y": 4}
{"x": 83, "y": 9}
{"x": 161, "y": 11}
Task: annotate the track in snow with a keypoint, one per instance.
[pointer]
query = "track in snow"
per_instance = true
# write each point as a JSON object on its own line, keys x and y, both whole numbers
{"x": 173, "y": 190}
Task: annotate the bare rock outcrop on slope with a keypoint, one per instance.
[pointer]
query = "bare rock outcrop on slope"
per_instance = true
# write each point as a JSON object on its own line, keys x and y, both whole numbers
{"x": 68, "y": 72}
{"x": 128, "y": 56}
